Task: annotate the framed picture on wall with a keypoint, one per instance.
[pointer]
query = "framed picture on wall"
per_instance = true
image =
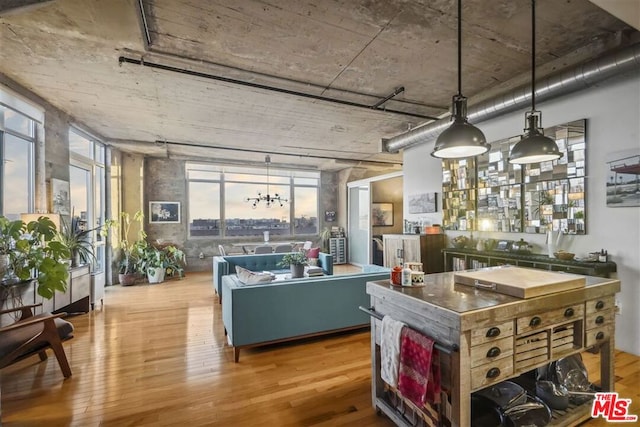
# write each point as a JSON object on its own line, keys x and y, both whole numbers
{"x": 423, "y": 203}
{"x": 381, "y": 214}
{"x": 164, "y": 212}
{"x": 60, "y": 197}
{"x": 623, "y": 185}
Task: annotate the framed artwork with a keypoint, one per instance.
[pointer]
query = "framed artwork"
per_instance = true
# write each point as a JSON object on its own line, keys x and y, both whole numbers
{"x": 164, "y": 212}
{"x": 623, "y": 179}
{"x": 423, "y": 203}
{"x": 330, "y": 216}
{"x": 60, "y": 197}
{"x": 381, "y": 214}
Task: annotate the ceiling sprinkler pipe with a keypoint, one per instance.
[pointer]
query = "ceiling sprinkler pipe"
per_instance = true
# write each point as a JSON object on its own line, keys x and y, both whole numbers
{"x": 558, "y": 84}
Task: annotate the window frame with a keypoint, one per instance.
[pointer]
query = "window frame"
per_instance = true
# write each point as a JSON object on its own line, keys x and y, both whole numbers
{"x": 29, "y": 139}
{"x": 96, "y": 208}
{"x": 222, "y": 181}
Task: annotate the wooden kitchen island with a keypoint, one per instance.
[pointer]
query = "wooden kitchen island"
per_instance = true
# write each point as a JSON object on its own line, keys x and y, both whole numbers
{"x": 486, "y": 337}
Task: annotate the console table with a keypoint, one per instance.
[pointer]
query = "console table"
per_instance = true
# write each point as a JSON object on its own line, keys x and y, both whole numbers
{"x": 462, "y": 259}
{"x": 489, "y": 337}
{"x": 75, "y": 299}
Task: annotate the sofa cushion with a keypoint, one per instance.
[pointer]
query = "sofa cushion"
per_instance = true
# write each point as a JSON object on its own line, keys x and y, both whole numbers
{"x": 313, "y": 253}
{"x": 249, "y": 277}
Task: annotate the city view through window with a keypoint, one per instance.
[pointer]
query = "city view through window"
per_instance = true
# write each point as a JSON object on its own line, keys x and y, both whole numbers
{"x": 218, "y": 203}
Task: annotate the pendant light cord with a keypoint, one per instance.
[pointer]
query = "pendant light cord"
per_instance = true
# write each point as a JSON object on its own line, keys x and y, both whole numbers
{"x": 533, "y": 55}
{"x": 459, "y": 47}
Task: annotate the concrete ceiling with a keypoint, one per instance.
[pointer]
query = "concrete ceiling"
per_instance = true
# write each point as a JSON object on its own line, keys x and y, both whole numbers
{"x": 203, "y": 79}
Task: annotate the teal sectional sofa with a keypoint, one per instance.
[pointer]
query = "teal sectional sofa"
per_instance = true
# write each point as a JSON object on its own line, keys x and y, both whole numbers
{"x": 224, "y": 265}
{"x": 255, "y": 315}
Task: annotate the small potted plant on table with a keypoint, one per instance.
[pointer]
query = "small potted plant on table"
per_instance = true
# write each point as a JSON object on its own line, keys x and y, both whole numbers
{"x": 296, "y": 261}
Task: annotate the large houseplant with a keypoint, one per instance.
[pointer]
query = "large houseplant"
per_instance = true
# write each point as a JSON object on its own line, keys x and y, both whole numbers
{"x": 30, "y": 252}
{"x": 296, "y": 261}
{"x": 131, "y": 247}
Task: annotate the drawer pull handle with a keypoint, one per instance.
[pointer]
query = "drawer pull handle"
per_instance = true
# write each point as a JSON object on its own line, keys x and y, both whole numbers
{"x": 599, "y": 320}
{"x": 600, "y": 335}
{"x": 493, "y": 372}
{"x": 568, "y": 312}
{"x": 493, "y": 332}
{"x": 599, "y": 305}
{"x": 535, "y": 321}
{"x": 494, "y": 352}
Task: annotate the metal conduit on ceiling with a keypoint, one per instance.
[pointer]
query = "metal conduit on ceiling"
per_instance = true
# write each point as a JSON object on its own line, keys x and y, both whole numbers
{"x": 573, "y": 79}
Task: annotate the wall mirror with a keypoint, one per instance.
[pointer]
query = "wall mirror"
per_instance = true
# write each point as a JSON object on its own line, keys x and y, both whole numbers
{"x": 490, "y": 194}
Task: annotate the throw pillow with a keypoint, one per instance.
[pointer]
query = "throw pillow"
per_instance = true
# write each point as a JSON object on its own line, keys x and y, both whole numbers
{"x": 248, "y": 277}
{"x": 313, "y": 253}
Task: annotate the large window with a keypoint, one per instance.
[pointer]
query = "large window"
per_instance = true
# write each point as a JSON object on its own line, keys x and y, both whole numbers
{"x": 218, "y": 203}
{"x": 17, "y": 145}
{"x": 87, "y": 185}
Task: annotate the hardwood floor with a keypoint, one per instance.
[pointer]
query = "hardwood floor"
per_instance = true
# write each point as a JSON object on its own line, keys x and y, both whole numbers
{"x": 155, "y": 355}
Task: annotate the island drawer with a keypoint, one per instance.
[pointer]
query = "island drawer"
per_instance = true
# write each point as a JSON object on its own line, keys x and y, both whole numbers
{"x": 491, "y": 333}
{"x": 491, "y": 351}
{"x": 599, "y": 319}
{"x": 491, "y": 373}
{"x": 596, "y": 336}
{"x": 537, "y": 321}
{"x": 599, "y": 304}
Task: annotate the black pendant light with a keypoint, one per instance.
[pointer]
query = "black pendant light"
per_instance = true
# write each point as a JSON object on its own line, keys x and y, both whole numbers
{"x": 461, "y": 139}
{"x": 534, "y": 147}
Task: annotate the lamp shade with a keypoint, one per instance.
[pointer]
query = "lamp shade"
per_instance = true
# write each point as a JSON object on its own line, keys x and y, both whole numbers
{"x": 28, "y": 217}
{"x": 534, "y": 147}
{"x": 461, "y": 139}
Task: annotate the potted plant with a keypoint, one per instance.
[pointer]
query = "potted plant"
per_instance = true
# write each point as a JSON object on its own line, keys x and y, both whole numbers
{"x": 152, "y": 263}
{"x": 296, "y": 261}
{"x": 131, "y": 247}
{"x": 78, "y": 242}
{"x": 175, "y": 260}
{"x": 325, "y": 235}
{"x": 30, "y": 248}
{"x": 158, "y": 261}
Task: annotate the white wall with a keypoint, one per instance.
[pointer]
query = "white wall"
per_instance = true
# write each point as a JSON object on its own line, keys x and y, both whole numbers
{"x": 612, "y": 110}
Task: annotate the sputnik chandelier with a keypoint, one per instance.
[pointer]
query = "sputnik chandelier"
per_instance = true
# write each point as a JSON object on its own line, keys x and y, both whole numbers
{"x": 267, "y": 198}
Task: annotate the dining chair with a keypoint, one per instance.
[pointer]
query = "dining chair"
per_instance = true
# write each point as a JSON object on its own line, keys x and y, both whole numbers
{"x": 264, "y": 249}
{"x": 283, "y": 248}
{"x": 307, "y": 245}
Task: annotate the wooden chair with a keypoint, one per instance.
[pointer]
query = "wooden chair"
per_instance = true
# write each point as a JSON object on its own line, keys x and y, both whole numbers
{"x": 34, "y": 334}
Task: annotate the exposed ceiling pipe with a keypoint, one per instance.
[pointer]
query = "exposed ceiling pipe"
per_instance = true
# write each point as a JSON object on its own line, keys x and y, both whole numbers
{"x": 166, "y": 144}
{"x": 573, "y": 79}
{"x": 126, "y": 60}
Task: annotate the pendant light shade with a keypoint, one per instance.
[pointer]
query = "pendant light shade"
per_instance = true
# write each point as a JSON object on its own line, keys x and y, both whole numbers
{"x": 534, "y": 147}
{"x": 461, "y": 139}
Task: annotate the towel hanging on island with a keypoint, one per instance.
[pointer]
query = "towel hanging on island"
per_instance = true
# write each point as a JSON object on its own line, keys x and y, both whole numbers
{"x": 419, "y": 378}
{"x": 390, "y": 350}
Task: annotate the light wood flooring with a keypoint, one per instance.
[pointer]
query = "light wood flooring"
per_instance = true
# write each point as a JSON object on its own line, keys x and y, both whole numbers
{"x": 155, "y": 355}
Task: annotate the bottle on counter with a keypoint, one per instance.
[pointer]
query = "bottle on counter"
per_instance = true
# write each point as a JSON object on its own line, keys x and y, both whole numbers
{"x": 603, "y": 256}
{"x": 396, "y": 275}
{"x": 406, "y": 276}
